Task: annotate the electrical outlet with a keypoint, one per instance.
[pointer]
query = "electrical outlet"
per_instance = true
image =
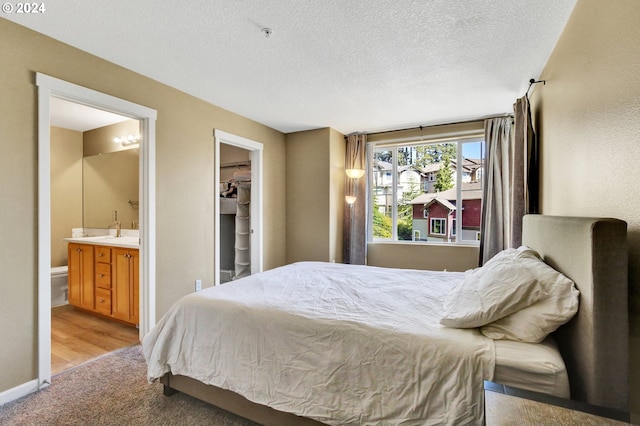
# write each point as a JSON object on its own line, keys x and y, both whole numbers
{"x": 198, "y": 285}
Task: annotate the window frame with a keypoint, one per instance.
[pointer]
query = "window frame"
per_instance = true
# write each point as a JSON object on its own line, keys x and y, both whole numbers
{"x": 443, "y": 226}
{"x": 460, "y": 138}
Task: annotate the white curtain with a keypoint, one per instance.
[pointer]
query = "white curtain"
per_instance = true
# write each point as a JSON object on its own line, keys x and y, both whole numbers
{"x": 511, "y": 180}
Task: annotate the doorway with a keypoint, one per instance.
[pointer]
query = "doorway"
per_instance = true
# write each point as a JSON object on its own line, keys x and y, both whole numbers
{"x": 51, "y": 88}
{"x": 250, "y": 185}
{"x": 91, "y": 178}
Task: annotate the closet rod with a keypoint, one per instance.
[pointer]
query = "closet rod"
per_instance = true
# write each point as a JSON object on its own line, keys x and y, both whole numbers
{"x": 236, "y": 164}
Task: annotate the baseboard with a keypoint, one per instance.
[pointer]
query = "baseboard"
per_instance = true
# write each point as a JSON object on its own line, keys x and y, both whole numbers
{"x": 18, "y": 392}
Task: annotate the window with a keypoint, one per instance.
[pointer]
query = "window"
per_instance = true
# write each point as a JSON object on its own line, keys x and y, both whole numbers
{"x": 438, "y": 226}
{"x": 402, "y": 208}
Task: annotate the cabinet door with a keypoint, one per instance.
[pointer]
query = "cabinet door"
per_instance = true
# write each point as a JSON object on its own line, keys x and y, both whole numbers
{"x": 120, "y": 277}
{"x": 80, "y": 260}
{"x": 74, "y": 272}
{"x": 135, "y": 286}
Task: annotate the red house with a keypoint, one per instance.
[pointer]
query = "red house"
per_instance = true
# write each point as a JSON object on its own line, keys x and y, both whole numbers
{"x": 435, "y": 214}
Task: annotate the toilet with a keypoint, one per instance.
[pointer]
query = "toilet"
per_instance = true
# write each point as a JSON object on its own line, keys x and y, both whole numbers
{"x": 59, "y": 287}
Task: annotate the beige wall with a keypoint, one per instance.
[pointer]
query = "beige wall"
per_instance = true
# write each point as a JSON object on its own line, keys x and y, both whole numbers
{"x": 337, "y": 203}
{"x": 66, "y": 190}
{"x": 184, "y": 182}
{"x": 588, "y": 118}
{"x": 315, "y": 176}
{"x": 431, "y": 257}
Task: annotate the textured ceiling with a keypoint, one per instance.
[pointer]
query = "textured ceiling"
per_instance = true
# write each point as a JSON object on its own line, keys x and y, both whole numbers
{"x": 354, "y": 65}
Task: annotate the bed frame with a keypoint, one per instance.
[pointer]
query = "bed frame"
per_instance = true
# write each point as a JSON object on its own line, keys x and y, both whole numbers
{"x": 595, "y": 343}
{"x": 595, "y": 346}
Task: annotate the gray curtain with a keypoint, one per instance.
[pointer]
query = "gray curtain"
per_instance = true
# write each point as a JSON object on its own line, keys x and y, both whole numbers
{"x": 355, "y": 216}
{"x": 511, "y": 180}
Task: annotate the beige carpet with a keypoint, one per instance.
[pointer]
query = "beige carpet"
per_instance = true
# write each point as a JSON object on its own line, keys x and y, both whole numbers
{"x": 112, "y": 390}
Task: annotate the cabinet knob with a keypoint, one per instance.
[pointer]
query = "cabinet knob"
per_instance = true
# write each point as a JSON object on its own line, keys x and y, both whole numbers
{"x": 101, "y": 301}
{"x": 100, "y": 255}
{"x": 100, "y": 275}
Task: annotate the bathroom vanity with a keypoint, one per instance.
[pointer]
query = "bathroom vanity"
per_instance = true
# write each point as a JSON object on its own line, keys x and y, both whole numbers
{"x": 104, "y": 276}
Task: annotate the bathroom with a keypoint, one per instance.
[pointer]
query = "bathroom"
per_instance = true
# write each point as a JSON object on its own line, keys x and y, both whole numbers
{"x": 94, "y": 181}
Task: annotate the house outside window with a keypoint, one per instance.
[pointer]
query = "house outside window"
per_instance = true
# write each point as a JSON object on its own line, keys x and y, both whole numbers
{"x": 417, "y": 191}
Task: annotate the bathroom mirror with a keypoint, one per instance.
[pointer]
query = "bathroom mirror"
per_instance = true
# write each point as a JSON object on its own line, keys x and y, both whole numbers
{"x": 110, "y": 183}
{"x": 110, "y": 175}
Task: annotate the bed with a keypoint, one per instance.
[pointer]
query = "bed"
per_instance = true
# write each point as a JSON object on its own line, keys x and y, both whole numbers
{"x": 388, "y": 368}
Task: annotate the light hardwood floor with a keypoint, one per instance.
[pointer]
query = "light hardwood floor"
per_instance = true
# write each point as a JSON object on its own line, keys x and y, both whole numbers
{"x": 77, "y": 337}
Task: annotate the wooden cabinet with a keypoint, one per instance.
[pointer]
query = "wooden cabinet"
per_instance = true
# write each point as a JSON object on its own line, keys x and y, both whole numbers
{"x": 105, "y": 280}
{"x": 81, "y": 267}
{"x": 125, "y": 284}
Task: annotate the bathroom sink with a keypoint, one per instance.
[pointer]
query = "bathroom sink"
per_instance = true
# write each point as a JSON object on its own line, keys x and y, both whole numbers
{"x": 96, "y": 238}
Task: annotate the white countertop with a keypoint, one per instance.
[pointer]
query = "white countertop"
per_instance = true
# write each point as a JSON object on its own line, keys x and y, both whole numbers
{"x": 108, "y": 240}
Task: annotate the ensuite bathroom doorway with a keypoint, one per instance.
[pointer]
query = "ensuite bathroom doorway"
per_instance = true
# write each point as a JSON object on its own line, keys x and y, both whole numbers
{"x": 50, "y": 90}
{"x": 92, "y": 179}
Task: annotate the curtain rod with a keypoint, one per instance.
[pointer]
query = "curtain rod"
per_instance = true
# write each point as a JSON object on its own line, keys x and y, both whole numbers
{"x": 436, "y": 125}
{"x": 531, "y": 83}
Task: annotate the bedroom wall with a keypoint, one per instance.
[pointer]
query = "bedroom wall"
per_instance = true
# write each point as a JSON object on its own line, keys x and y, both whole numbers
{"x": 315, "y": 194}
{"x": 184, "y": 182}
{"x": 588, "y": 119}
{"x": 338, "y": 147}
{"x": 431, "y": 257}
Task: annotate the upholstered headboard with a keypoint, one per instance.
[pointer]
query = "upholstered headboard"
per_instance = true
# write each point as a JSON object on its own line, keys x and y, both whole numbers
{"x": 595, "y": 343}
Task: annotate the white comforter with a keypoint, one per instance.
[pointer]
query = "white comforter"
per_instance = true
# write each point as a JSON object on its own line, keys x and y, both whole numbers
{"x": 342, "y": 344}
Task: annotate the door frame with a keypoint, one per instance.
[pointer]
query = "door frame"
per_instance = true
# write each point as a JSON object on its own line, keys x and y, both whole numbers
{"x": 255, "y": 155}
{"x": 49, "y": 87}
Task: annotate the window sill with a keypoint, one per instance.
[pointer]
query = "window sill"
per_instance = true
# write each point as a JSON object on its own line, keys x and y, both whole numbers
{"x": 427, "y": 243}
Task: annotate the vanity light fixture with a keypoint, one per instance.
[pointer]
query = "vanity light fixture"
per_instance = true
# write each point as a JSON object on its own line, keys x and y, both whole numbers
{"x": 350, "y": 199}
{"x": 127, "y": 141}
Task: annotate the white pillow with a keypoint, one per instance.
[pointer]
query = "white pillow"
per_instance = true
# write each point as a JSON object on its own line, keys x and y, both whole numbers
{"x": 500, "y": 287}
{"x": 533, "y": 323}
